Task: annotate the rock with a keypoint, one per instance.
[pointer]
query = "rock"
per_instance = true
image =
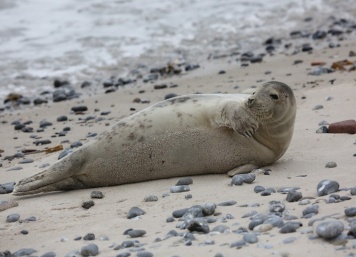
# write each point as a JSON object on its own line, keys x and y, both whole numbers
{"x": 199, "y": 225}
{"x": 326, "y": 187}
{"x": 49, "y": 254}
{"x": 289, "y": 240}
{"x": 319, "y": 34}
{"x": 250, "y": 238}
{"x": 144, "y": 254}
{"x": 238, "y": 244}
{"x": 134, "y": 212}
{"x": 330, "y": 165}
{"x": 7, "y": 188}
{"x": 38, "y": 101}
{"x": 208, "y": 209}
{"x": 65, "y": 153}
{"x": 307, "y": 47}
{"x": 169, "y": 96}
{"x": 276, "y": 206}
{"x": 220, "y": 228}
{"x": 88, "y": 204}
{"x": 353, "y": 191}
{"x": 23, "y": 252}
{"x": 79, "y": 108}
{"x": 179, "y": 189}
{"x": 76, "y": 144}
{"x": 13, "y": 217}
{"x": 259, "y": 189}
{"x": 288, "y": 227}
{"x": 350, "y": 212}
{"x": 151, "y": 198}
{"x": 318, "y": 107}
{"x": 274, "y": 220}
{"x": 136, "y": 233}
{"x": 25, "y": 161}
{"x": 311, "y": 209}
{"x": 89, "y": 237}
{"x": 45, "y": 123}
{"x": 160, "y": 86}
{"x": 90, "y": 250}
{"x": 294, "y": 196}
{"x": 237, "y": 180}
{"x": 184, "y": 181}
{"x": 329, "y": 229}
{"x": 228, "y": 203}
{"x": 42, "y": 142}
{"x": 97, "y": 194}
{"x": 262, "y": 228}
{"x": 346, "y": 126}
{"x": 179, "y": 213}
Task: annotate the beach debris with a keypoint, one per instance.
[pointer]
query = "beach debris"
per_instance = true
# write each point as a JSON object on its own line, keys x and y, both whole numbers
{"x": 340, "y": 65}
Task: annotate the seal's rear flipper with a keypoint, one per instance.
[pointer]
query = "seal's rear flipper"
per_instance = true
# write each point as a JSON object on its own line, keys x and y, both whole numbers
{"x": 46, "y": 181}
{"x": 242, "y": 169}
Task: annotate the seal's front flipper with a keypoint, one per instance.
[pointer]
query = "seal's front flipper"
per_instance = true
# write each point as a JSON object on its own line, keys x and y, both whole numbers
{"x": 242, "y": 169}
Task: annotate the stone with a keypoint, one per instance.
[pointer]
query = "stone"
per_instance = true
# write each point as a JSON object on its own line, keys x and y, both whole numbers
{"x": 350, "y": 212}
{"x": 134, "y": 212}
{"x": 329, "y": 229}
{"x": 330, "y": 165}
{"x": 326, "y": 187}
{"x": 294, "y": 196}
{"x": 90, "y": 250}
{"x": 346, "y": 126}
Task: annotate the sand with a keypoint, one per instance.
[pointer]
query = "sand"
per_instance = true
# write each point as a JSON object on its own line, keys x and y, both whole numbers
{"x": 60, "y": 215}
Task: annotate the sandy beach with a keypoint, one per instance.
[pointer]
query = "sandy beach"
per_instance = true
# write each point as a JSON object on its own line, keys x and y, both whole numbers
{"x": 60, "y": 217}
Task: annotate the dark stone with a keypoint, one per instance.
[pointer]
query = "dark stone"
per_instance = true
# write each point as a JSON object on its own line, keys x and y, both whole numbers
{"x": 38, "y": 101}
{"x": 160, "y": 86}
{"x": 90, "y": 250}
{"x": 294, "y": 196}
{"x": 228, "y": 203}
{"x": 88, "y": 204}
{"x": 97, "y": 194}
{"x": 319, "y": 34}
{"x": 184, "y": 181}
{"x": 12, "y": 217}
{"x": 42, "y": 142}
{"x": 326, "y": 187}
{"x": 76, "y": 144}
{"x": 89, "y": 237}
{"x": 179, "y": 213}
{"x": 60, "y": 83}
{"x": 62, "y": 118}
{"x": 136, "y": 233}
{"x": 170, "y": 95}
{"x": 258, "y": 189}
{"x": 79, "y": 108}
{"x": 134, "y": 212}
{"x": 198, "y": 225}
{"x": 306, "y": 47}
{"x": 350, "y": 212}
{"x": 7, "y": 188}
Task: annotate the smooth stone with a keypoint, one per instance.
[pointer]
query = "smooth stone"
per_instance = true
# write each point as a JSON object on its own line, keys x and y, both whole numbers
{"x": 237, "y": 180}
{"x": 314, "y": 209}
{"x": 128, "y": 244}
{"x": 89, "y": 237}
{"x": 23, "y": 252}
{"x": 76, "y": 144}
{"x": 276, "y": 206}
{"x": 208, "y": 209}
{"x": 353, "y": 191}
{"x": 330, "y": 165}
{"x": 198, "y": 225}
{"x": 350, "y": 212}
{"x": 286, "y": 190}
{"x": 249, "y": 214}
{"x": 259, "y": 189}
{"x": 170, "y": 219}
{"x": 293, "y": 196}
{"x": 88, "y": 204}
{"x": 274, "y": 220}
{"x": 304, "y": 202}
{"x": 250, "y": 238}
{"x": 62, "y": 118}
{"x": 329, "y": 229}
{"x": 288, "y": 228}
{"x": 134, "y": 212}
{"x": 65, "y": 153}
{"x": 220, "y": 228}
{"x": 79, "y": 108}
{"x": 238, "y": 244}
{"x": 144, "y": 254}
{"x": 326, "y": 187}
{"x": 136, "y": 233}
{"x": 25, "y": 161}
{"x": 49, "y": 254}
{"x": 289, "y": 240}
{"x": 227, "y": 203}
{"x": 179, "y": 189}
{"x": 89, "y": 250}
{"x": 318, "y": 107}
{"x": 150, "y": 198}
{"x": 97, "y": 195}
{"x": 179, "y": 213}
{"x": 262, "y": 228}
{"x": 12, "y": 217}
{"x": 7, "y": 188}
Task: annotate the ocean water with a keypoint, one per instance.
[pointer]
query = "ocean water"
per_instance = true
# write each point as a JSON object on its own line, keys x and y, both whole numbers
{"x": 75, "y": 39}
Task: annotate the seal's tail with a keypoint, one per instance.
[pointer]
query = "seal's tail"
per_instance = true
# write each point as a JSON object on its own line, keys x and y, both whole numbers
{"x": 46, "y": 181}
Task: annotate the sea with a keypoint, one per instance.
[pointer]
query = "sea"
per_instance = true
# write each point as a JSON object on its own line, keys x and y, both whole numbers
{"x": 73, "y": 39}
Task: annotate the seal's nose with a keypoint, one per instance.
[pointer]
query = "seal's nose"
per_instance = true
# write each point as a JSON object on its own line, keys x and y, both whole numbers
{"x": 250, "y": 101}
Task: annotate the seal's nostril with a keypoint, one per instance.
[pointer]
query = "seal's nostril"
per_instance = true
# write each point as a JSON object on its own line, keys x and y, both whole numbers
{"x": 250, "y": 101}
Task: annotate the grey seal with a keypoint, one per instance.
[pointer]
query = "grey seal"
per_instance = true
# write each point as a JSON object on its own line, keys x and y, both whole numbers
{"x": 182, "y": 136}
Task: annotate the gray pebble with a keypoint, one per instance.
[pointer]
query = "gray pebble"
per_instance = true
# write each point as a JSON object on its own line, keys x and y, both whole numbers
{"x": 237, "y": 180}
{"x": 274, "y": 220}
{"x": 218, "y": 255}
{"x": 326, "y": 187}
{"x": 318, "y": 107}
{"x": 286, "y": 190}
{"x": 32, "y": 218}
{"x": 24, "y": 232}
{"x": 14, "y": 168}
{"x": 179, "y": 213}
{"x": 76, "y": 144}
{"x": 134, "y": 212}
{"x": 49, "y": 254}
{"x": 259, "y": 189}
{"x": 13, "y": 217}
{"x": 294, "y": 196}
{"x": 329, "y": 229}
{"x": 265, "y": 193}
{"x": 184, "y": 181}
{"x": 151, "y": 198}
{"x": 289, "y": 240}
{"x": 248, "y": 178}
{"x": 44, "y": 165}
{"x": 228, "y": 203}
{"x": 62, "y": 118}
{"x": 188, "y": 196}
{"x": 220, "y": 228}
{"x": 89, "y": 237}
{"x": 198, "y": 225}
{"x": 45, "y": 123}
{"x": 249, "y": 214}
{"x": 170, "y": 219}
{"x": 330, "y": 165}
{"x": 353, "y": 191}
{"x": 7, "y": 188}
{"x": 88, "y": 204}
{"x": 90, "y": 250}
{"x": 288, "y": 228}
{"x": 350, "y": 212}
{"x": 304, "y": 202}
{"x": 254, "y": 223}
{"x": 208, "y": 208}
{"x": 25, "y": 161}
{"x": 210, "y": 219}
{"x": 144, "y": 254}
{"x": 128, "y": 244}
{"x": 96, "y": 195}
{"x": 179, "y": 189}
{"x": 314, "y": 209}
{"x": 276, "y": 206}
{"x": 64, "y": 153}
{"x": 250, "y": 238}
{"x": 23, "y": 252}
{"x": 322, "y": 129}
{"x": 238, "y": 244}
{"x": 136, "y": 233}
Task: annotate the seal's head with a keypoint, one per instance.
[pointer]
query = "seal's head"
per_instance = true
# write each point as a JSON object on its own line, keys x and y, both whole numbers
{"x": 272, "y": 101}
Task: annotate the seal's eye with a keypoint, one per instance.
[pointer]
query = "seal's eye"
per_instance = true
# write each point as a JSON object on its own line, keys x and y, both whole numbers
{"x": 274, "y": 96}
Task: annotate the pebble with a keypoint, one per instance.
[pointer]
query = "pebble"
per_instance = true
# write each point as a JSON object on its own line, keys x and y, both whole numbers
{"x": 160, "y": 86}
{"x": 169, "y": 96}
{"x": 318, "y": 107}
{"x": 144, "y": 254}
{"x": 45, "y": 123}
{"x": 65, "y": 153}
{"x": 79, "y": 108}
{"x": 179, "y": 213}
{"x": 76, "y": 144}
{"x": 42, "y": 142}
{"x": 353, "y": 191}
{"x": 38, "y": 101}
{"x": 330, "y": 165}
{"x": 7, "y": 188}
{"x": 329, "y": 229}
{"x": 220, "y": 228}
{"x": 184, "y": 181}
{"x": 322, "y": 129}
{"x": 128, "y": 244}
{"x": 25, "y": 161}
{"x": 208, "y": 209}
{"x": 179, "y": 189}
{"x": 314, "y": 209}
{"x": 326, "y": 187}
{"x": 97, "y": 195}
{"x": 170, "y": 219}
{"x": 14, "y": 168}
{"x": 238, "y": 244}
{"x": 237, "y": 180}
{"x": 289, "y": 240}
{"x": 286, "y": 190}
{"x": 13, "y": 217}
{"x": 262, "y": 228}
{"x": 90, "y": 250}
{"x": 134, "y": 212}
{"x": 274, "y": 220}
{"x": 304, "y": 202}
{"x": 276, "y": 206}
{"x": 23, "y": 252}
{"x": 32, "y": 218}
{"x": 227, "y": 203}
{"x": 125, "y": 254}
{"x": 151, "y": 198}
{"x": 89, "y": 237}
{"x": 136, "y": 233}
{"x": 250, "y": 238}
{"x": 24, "y": 232}
{"x": 288, "y": 228}
{"x": 49, "y": 254}
{"x": 259, "y": 189}
{"x": 188, "y": 196}
{"x": 293, "y": 196}
{"x": 346, "y": 126}
{"x": 88, "y": 204}
{"x": 350, "y": 212}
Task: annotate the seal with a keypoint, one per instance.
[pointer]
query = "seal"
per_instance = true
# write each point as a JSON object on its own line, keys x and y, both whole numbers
{"x": 182, "y": 136}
